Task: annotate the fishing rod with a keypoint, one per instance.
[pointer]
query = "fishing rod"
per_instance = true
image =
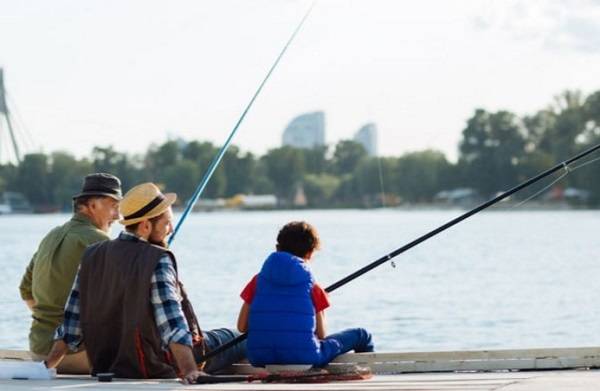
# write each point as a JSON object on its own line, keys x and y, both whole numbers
{"x": 215, "y": 162}
{"x": 395, "y": 253}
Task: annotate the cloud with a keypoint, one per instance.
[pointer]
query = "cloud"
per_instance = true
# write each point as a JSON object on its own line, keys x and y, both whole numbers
{"x": 578, "y": 33}
{"x": 552, "y": 24}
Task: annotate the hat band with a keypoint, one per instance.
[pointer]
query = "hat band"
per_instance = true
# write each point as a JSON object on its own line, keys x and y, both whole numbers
{"x": 151, "y": 205}
{"x": 100, "y": 190}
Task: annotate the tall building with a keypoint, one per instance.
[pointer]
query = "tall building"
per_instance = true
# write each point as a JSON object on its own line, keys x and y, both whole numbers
{"x": 305, "y": 131}
{"x": 367, "y": 136}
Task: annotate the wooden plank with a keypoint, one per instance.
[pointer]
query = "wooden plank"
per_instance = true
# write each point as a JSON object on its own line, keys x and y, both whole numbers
{"x": 15, "y": 355}
{"x": 590, "y": 352}
{"x": 547, "y": 381}
{"x": 470, "y": 355}
{"x": 450, "y": 361}
{"x": 487, "y": 360}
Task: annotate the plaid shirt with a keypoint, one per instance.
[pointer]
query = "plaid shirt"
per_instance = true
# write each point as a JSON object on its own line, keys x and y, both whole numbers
{"x": 164, "y": 297}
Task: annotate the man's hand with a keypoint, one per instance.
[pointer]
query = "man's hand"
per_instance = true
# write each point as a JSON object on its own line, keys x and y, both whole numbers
{"x": 186, "y": 363}
{"x": 30, "y": 303}
{"x": 190, "y": 378}
{"x": 57, "y": 353}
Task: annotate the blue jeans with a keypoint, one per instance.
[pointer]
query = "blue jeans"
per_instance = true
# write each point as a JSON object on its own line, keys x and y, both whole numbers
{"x": 216, "y": 338}
{"x": 358, "y": 339}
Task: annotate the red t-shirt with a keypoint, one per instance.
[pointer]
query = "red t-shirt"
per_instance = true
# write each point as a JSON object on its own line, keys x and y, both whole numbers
{"x": 319, "y": 296}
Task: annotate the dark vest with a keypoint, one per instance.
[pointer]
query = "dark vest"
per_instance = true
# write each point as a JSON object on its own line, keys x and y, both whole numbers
{"x": 117, "y": 318}
{"x": 281, "y": 325}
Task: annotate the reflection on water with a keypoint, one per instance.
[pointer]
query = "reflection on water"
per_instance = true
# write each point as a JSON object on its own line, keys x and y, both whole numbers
{"x": 497, "y": 280}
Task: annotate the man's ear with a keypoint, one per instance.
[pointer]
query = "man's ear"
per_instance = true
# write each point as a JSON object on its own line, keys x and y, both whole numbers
{"x": 144, "y": 228}
{"x": 147, "y": 225}
{"x": 91, "y": 205}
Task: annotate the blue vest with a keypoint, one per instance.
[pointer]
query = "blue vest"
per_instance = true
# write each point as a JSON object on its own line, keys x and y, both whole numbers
{"x": 282, "y": 323}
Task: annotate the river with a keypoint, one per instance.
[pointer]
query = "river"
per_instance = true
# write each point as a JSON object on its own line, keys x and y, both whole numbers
{"x": 501, "y": 279}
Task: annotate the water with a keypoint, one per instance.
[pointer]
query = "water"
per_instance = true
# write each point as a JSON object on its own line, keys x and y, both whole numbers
{"x": 498, "y": 280}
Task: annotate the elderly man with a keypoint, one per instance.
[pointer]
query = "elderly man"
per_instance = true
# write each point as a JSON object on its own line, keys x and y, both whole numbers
{"x": 128, "y": 306}
{"x": 50, "y": 274}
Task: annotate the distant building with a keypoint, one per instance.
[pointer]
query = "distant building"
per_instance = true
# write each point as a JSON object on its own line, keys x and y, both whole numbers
{"x": 465, "y": 197}
{"x": 300, "y": 197}
{"x": 208, "y": 204}
{"x": 305, "y": 131}
{"x": 261, "y": 201}
{"x": 570, "y": 194}
{"x": 12, "y": 202}
{"x": 367, "y": 137}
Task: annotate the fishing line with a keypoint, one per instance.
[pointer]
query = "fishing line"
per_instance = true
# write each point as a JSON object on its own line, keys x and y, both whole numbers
{"x": 568, "y": 170}
{"x": 219, "y": 156}
{"x": 564, "y": 174}
{"x": 381, "y": 181}
{"x": 584, "y": 164}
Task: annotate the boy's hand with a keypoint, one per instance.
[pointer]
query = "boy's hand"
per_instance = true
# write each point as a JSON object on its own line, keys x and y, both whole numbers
{"x": 321, "y": 325}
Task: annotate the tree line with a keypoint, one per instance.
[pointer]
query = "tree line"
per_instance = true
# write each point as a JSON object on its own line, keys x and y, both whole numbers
{"x": 497, "y": 150}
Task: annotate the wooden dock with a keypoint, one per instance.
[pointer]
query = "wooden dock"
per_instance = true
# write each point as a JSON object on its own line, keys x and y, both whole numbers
{"x": 506, "y": 370}
{"x": 571, "y": 380}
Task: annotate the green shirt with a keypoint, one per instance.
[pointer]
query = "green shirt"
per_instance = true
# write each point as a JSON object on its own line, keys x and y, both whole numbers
{"x": 50, "y": 274}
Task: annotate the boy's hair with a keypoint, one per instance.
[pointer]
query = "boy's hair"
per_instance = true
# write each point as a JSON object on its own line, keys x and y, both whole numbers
{"x": 298, "y": 238}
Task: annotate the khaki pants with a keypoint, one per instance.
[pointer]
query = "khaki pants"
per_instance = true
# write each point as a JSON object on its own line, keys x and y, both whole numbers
{"x": 72, "y": 364}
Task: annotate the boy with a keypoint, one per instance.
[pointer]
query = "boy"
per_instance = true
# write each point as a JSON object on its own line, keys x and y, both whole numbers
{"x": 283, "y": 308}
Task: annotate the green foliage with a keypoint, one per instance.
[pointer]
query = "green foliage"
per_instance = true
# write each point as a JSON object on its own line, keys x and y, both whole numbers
{"x": 66, "y": 176}
{"x": 591, "y": 109}
{"x": 8, "y": 177}
{"x": 183, "y": 176}
{"x": 560, "y": 127}
{"x": 33, "y": 179}
{"x": 497, "y": 151}
{"x": 320, "y": 188}
{"x": 316, "y": 160}
{"x": 106, "y": 159}
{"x": 285, "y": 168}
{"x": 420, "y": 175}
{"x": 239, "y": 170}
{"x": 366, "y": 175}
{"x": 492, "y": 146}
{"x": 347, "y": 156}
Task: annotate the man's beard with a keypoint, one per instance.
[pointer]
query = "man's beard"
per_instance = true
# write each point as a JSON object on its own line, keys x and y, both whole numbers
{"x": 161, "y": 243}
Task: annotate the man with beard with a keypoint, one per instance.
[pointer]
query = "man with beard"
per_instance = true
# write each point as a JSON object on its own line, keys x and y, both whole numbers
{"x": 129, "y": 308}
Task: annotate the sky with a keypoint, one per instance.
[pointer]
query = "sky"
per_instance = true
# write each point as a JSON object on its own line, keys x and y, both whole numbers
{"x": 131, "y": 73}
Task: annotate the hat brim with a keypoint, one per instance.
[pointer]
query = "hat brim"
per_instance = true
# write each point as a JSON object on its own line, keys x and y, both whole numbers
{"x": 99, "y": 194}
{"x": 159, "y": 209}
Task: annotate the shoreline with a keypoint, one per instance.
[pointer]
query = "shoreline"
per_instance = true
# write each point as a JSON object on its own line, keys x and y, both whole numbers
{"x": 503, "y": 207}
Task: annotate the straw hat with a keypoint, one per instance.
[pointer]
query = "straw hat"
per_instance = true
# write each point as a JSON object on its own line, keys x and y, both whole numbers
{"x": 143, "y": 202}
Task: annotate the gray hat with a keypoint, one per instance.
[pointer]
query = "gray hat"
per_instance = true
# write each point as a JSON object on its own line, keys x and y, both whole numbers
{"x": 101, "y": 184}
